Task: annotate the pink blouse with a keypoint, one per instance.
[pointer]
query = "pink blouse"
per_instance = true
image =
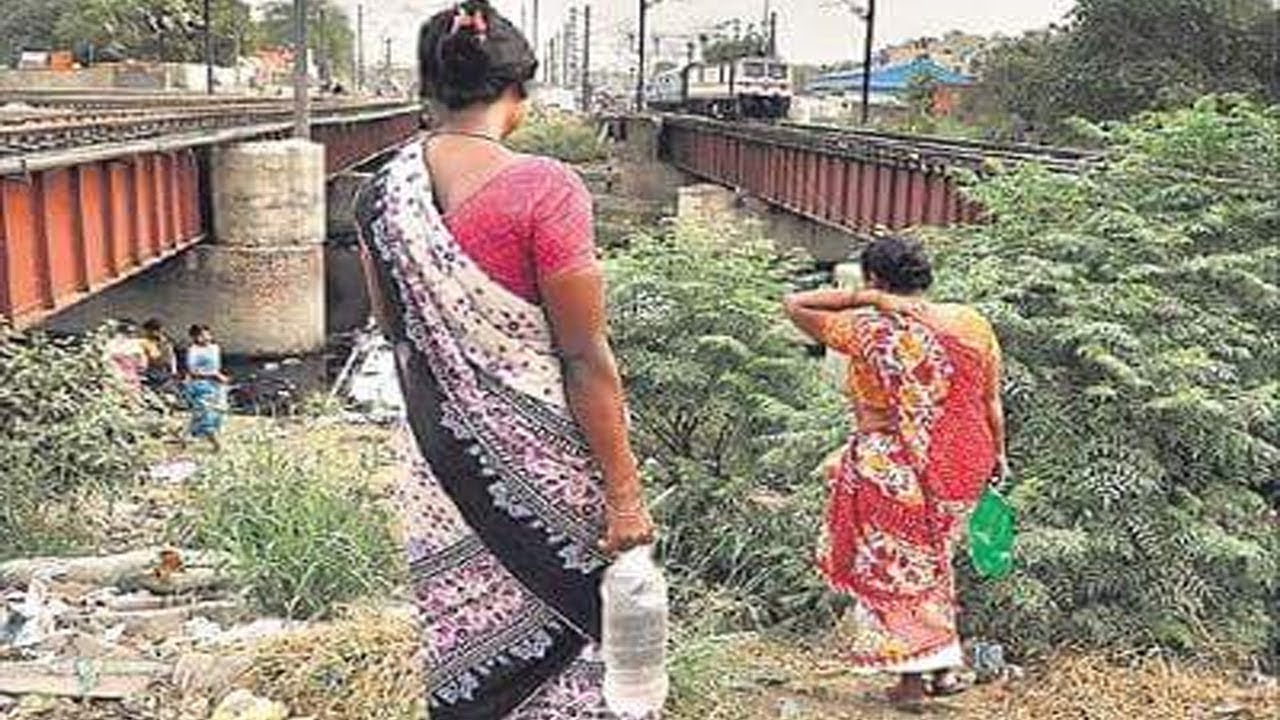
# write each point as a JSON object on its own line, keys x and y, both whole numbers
{"x": 532, "y": 221}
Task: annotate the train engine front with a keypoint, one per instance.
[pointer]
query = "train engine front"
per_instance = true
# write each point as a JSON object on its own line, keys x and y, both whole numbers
{"x": 753, "y": 87}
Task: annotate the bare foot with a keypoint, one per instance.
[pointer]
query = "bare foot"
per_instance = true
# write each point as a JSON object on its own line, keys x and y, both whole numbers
{"x": 909, "y": 693}
{"x": 946, "y": 683}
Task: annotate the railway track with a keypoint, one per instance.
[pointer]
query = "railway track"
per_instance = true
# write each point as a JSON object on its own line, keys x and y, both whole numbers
{"x": 961, "y": 147}
{"x": 70, "y": 122}
{"x": 925, "y": 149}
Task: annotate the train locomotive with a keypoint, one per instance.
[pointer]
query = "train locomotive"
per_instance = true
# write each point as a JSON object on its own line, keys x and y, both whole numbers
{"x": 751, "y": 87}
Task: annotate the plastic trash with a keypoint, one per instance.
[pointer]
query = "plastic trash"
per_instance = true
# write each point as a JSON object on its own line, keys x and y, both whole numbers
{"x": 33, "y": 619}
{"x": 991, "y": 532}
{"x": 634, "y": 646}
{"x": 987, "y": 661}
{"x": 175, "y": 471}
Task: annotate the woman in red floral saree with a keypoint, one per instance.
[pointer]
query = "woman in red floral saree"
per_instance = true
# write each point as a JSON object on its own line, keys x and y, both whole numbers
{"x": 924, "y": 383}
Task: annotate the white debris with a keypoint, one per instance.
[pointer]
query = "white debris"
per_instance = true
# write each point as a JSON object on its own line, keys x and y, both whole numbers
{"x": 174, "y": 472}
{"x": 203, "y": 630}
{"x": 369, "y": 382}
{"x": 30, "y": 618}
{"x": 258, "y": 630}
{"x": 244, "y": 705}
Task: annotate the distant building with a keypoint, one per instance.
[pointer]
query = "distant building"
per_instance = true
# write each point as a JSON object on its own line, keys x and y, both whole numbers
{"x": 272, "y": 67}
{"x": 956, "y": 51}
{"x": 891, "y": 80}
{"x": 890, "y": 84}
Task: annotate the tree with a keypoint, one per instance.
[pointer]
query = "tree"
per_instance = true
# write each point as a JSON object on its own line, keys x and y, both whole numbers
{"x": 1116, "y": 58}
{"x": 333, "y": 42}
{"x": 1140, "y": 315}
{"x": 728, "y": 414}
{"x": 161, "y": 30}
{"x": 920, "y": 97}
{"x": 29, "y": 24}
{"x": 728, "y": 49}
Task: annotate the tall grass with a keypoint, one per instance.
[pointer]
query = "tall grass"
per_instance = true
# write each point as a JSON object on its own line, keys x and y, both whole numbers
{"x": 306, "y": 533}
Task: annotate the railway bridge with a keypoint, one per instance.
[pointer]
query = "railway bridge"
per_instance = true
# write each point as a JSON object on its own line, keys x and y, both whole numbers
{"x": 197, "y": 211}
{"x": 96, "y": 190}
{"x": 825, "y": 186}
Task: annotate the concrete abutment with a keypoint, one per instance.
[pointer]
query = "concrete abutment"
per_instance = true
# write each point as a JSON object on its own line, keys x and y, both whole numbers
{"x": 646, "y": 175}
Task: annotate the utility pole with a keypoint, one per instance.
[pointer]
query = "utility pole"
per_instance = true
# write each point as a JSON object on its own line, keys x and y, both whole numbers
{"x": 572, "y": 78}
{"x": 640, "y": 45}
{"x": 870, "y": 18}
{"x": 553, "y": 64}
{"x": 772, "y": 47}
{"x": 586, "y": 59}
{"x": 322, "y": 50}
{"x": 208, "y": 47}
{"x": 534, "y": 37}
{"x": 301, "y": 99}
{"x": 359, "y": 47}
{"x": 566, "y": 50}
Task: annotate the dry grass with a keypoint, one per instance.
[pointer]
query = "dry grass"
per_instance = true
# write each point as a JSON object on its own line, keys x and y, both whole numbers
{"x": 751, "y": 678}
{"x": 363, "y": 668}
{"x": 1089, "y": 687}
{"x": 359, "y": 668}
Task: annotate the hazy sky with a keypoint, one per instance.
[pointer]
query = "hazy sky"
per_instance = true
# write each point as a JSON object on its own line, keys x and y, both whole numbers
{"x": 809, "y": 30}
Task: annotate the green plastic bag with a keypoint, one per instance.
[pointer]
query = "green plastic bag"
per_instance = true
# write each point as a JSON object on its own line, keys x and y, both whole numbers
{"x": 991, "y": 536}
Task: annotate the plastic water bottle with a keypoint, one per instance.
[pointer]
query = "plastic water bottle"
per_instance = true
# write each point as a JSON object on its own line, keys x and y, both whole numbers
{"x": 634, "y": 645}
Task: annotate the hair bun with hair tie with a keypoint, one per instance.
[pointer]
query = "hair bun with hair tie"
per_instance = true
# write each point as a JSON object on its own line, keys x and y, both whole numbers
{"x": 473, "y": 20}
{"x": 469, "y": 53}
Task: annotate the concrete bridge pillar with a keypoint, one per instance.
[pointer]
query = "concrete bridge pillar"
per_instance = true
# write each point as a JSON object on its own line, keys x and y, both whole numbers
{"x": 264, "y": 272}
{"x": 259, "y": 278}
{"x": 644, "y": 175}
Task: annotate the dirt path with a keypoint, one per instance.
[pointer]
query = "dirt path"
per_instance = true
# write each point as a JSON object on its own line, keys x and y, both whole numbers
{"x": 753, "y": 679}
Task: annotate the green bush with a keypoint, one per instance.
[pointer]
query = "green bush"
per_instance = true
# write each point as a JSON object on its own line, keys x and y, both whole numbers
{"x": 305, "y": 533}
{"x": 729, "y": 414}
{"x": 565, "y": 137}
{"x": 70, "y": 431}
{"x": 1138, "y": 306}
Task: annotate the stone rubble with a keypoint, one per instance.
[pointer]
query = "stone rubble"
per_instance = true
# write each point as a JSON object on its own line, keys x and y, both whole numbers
{"x": 120, "y": 628}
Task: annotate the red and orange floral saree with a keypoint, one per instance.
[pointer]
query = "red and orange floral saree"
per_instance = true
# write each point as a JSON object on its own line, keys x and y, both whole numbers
{"x": 904, "y": 483}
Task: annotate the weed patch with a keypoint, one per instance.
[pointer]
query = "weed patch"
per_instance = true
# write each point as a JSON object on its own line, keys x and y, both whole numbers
{"x": 70, "y": 432}
{"x": 305, "y": 530}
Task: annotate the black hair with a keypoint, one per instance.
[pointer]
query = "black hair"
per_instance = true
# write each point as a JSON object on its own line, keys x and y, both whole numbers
{"x": 471, "y": 54}
{"x": 154, "y": 325}
{"x": 196, "y": 330}
{"x": 899, "y": 264}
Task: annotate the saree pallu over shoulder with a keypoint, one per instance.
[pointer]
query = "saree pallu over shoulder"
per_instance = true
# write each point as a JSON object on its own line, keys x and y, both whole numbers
{"x": 898, "y": 496}
{"x": 505, "y": 502}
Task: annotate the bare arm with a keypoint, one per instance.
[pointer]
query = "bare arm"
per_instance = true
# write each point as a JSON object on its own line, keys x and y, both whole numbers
{"x": 995, "y": 413}
{"x": 812, "y": 310}
{"x": 575, "y": 307}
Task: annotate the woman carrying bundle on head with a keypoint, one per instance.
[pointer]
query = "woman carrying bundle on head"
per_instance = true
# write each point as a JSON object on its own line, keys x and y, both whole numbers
{"x": 924, "y": 384}
{"x": 523, "y": 486}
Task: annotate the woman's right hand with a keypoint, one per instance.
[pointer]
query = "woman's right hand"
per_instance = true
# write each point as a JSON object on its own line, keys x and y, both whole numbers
{"x": 626, "y": 529}
{"x": 1000, "y": 474}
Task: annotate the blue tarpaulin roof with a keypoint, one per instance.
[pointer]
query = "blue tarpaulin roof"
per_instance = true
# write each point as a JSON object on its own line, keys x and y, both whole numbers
{"x": 889, "y": 79}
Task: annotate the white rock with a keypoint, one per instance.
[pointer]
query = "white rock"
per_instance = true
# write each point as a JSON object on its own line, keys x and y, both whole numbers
{"x": 244, "y": 705}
